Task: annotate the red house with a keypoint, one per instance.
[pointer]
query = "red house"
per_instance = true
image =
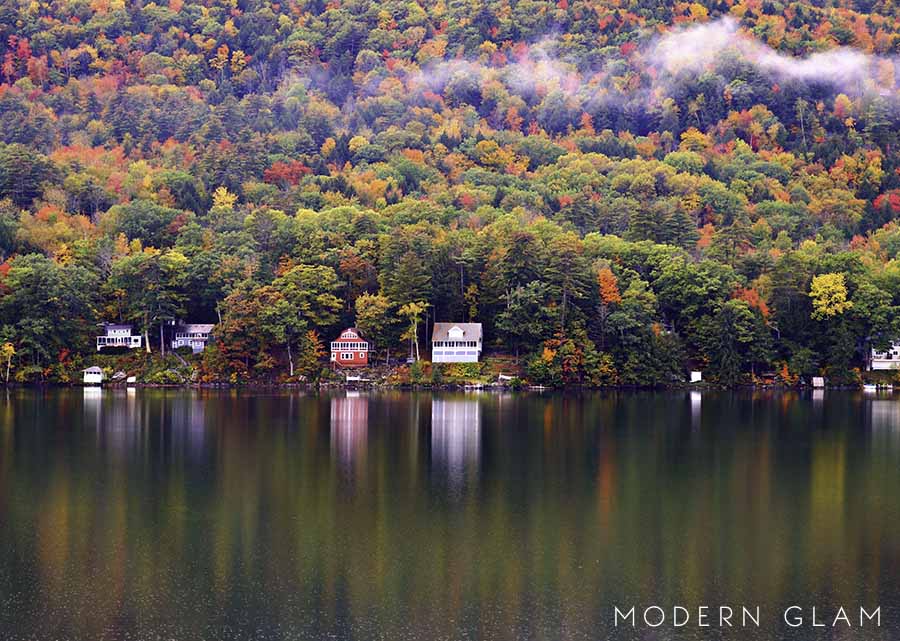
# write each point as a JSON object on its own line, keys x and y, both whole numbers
{"x": 350, "y": 349}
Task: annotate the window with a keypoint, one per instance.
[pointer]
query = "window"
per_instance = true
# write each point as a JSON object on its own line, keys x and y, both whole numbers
{"x": 346, "y": 356}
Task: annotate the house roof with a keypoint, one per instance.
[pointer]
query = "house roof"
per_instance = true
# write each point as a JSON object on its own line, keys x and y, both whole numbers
{"x": 109, "y": 326}
{"x": 351, "y": 329}
{"x": 195, "y": 328}
{"x": 471, "y": 331}
{"x": 92, "y": 370}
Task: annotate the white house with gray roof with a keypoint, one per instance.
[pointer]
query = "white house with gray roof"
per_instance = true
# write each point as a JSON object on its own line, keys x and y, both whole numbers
{"x": 885, "y": 359}
{"x": 118, "y": 336}
{"x": 193, "y": 335}
{"x": 456, "y": 343}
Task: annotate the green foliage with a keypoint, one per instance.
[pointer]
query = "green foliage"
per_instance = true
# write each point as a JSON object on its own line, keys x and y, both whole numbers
{"x": 744, "y": 218}
{"x": 47, "y": 308}
{"x": 23, "y": 173}
{"x": 145, "y": 221}
{"x": 147, "y": 287}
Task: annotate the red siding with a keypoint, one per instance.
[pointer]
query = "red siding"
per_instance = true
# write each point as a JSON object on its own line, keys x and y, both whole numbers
{"x": 357, "y": 357}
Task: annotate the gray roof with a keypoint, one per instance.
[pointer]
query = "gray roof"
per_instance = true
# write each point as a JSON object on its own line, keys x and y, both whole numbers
{"x": 198, "y": 328}
{"x": 115, "y": 326}
{"x": 92, "y": 370}
{"x": 471, "y": 331}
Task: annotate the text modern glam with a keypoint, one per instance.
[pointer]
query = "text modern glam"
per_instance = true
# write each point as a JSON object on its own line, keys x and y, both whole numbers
{"x": 724, "y": 616}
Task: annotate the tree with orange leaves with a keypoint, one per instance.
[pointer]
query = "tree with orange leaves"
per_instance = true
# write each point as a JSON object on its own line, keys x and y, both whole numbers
{"x": 608, "y": 285}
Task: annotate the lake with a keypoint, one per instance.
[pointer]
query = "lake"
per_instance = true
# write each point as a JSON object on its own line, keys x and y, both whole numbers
{"x": 160, "y": 514}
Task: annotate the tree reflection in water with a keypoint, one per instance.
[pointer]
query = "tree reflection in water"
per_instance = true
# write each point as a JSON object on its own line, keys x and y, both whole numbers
{"x": 229, "y": 515}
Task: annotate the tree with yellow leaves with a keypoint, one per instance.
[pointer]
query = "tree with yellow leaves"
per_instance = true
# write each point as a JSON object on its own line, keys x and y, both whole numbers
{"x": 829, "y": 296}
{"x": 7, "y": 351}
{"x": 238, "y": 61}
{"x": 224, "y": 198}
{"x": 220, "y": 60}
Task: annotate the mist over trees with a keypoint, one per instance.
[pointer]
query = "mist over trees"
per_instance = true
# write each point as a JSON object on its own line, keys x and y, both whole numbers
{"x": 617, "y": 190}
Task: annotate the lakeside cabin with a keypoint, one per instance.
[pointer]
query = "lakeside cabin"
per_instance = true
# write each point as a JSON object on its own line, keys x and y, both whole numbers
{"x": 456, "y": 343}
{"x": 193, "y": 335}
{"x": 350, "y": 349}
{"x": 118, "y": 336}
{"x": 885, "y": 360}
{"x": 92, "y": 376}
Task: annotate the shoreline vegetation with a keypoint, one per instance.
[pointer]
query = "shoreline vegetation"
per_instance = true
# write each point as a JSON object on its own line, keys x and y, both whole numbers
{"x": 494, "y": 373}
{"x": 619, "y": 193}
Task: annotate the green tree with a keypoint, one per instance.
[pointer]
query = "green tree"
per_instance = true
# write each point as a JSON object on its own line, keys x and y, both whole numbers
{"x": 413, "y": 312}
{"x": 46, "y": 308}
{"x": 23, "y": 173}
{"x": 311, "y": 290}
{"x": 528, "y": 318}
{"x": 147, "y": 288}
{"x": 374, "y": 319}
{"x": 144, "y": 220}
{"x": 280, "y": 321}
{"x": 734, "y": 338}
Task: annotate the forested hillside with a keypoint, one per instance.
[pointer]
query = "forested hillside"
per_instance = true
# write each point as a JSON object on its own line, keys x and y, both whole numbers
{"x": 617, "y": 189}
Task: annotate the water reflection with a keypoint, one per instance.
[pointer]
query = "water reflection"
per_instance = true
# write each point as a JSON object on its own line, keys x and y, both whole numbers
{"x": 119, "y": 421}
{"x": 349, "y": 429}
{"x": 185, "y": 515}
{"x": 455, "y": 437}
{"x": 187, "y": 421}
{"x": 885, "y": 414}
{"x": 696, "y": 408}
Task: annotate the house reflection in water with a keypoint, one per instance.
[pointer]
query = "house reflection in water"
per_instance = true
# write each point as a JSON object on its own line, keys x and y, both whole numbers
{"x": 884, "y": 421}
{"x": 91, "y": 405}
{"x": 349, "y": 428}
{"x": 696, "y": 408}
{"x": 455, "y": 436}
{"x": 187, "y": 418}
{"x": 118, "y": 418}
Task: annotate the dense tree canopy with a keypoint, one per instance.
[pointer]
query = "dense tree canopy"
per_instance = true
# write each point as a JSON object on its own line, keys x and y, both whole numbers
{"x": 617, "y": 190}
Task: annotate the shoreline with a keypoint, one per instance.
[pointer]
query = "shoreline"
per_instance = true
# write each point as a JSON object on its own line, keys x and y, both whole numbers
{"x": 455, "y": 387}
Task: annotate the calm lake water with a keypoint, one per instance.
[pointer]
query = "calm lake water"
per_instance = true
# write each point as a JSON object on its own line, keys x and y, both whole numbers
{"x": 200, "y": 515}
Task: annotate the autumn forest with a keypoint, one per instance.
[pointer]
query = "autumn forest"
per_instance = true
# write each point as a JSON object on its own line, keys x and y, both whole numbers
{"x": 619, "y": 190}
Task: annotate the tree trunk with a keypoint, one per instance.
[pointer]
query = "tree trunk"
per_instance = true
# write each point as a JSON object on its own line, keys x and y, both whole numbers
{"x": 162, "y": 339}
{"x": 8, "y": 366}
{"x": 290, "y": 358}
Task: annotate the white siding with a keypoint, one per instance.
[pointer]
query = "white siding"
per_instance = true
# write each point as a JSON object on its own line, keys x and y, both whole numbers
{"x": 460, "y": 355}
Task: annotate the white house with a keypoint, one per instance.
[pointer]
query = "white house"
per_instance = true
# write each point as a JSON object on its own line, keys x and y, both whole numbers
{"x": 93, "y": 375}
{"x": 193, "y": 335}
{"x": 456, "y": 343}
{"x": 118, "y": 336}
{"x": 887, "y": 359}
